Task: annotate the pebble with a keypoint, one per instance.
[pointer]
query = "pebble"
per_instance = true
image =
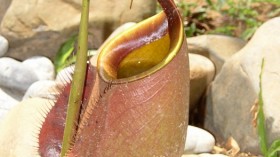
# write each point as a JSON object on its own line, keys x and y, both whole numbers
{"x": 15, "y": 75}
{"x": 202, "y": 72}
{"x": 42, "y": 66}
{"x": 6, "y": 103}
{"x": 42, "y": 89}
{"x": 198, "y": 141}
{"x": 3, "y": 45}
{"x": 218, "y": 48}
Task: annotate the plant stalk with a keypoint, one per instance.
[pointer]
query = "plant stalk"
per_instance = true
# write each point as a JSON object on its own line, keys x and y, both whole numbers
{"x": 77, "y": 87}
{"x": 261, "y": 118}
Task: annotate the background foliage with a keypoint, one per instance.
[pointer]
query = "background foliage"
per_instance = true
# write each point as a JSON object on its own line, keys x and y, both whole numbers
{"x": 238, "y": 18}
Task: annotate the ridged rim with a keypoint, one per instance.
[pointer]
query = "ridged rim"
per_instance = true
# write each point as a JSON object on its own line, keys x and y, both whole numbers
{"x": 175, "y": 30}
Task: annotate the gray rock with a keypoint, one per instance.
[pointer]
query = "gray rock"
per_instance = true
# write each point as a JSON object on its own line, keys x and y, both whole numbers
{"x": 34, "y": 28}
{"x": 6, "y": 102}
{"x": 217, "y": 48}
{"x": 15, "y": 94}
{"x": 198, "y": 141}
{"x": 3, "y": 45}
{"x": 44, "y": 89}
{"x": 202, "y": 72}
{"x": 235, "y": 90}
{"x": 42, "y": 66}
{"x": 15, "y": 75}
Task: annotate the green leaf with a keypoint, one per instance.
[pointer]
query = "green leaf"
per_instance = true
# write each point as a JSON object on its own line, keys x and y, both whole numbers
{"x": 64, "y": 53}
{"x": 274, "y": 148}
{"x": 261, "y": 118}
{"x": 248, "y": 33}
{"x": 209, "y": 2}
{"x": 226, "y": 30}
{"x": 189, "y": 31}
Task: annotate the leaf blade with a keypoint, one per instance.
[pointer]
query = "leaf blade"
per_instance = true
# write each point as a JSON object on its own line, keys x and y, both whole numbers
{"x": 64, "y": 53}
{"x": 274, "y": 148}
{"x": 261, "y": 118}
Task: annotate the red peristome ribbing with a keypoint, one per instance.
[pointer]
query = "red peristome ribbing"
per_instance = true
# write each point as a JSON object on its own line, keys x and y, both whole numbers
{"x": 51, "y": 133}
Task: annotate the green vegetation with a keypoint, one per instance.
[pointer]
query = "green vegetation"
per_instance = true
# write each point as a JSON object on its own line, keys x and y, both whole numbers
{"x": 275, "y": 146}
{"x": 243, "y": 15}
{"x": 238, "y": 18}
{"x": 195, "y": 22}
{"x": 64, "y": 56}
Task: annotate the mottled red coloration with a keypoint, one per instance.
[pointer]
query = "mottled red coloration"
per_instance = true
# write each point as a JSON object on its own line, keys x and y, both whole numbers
{"x": 51, "y": 134}
{"x": 147, "y": 117}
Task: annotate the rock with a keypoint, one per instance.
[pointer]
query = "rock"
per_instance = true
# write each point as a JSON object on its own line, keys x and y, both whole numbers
{"x": 204, "y": 155}
{"x": 3, "y": 7}
{"x": 189, "y": 155}
{"x": 20, "y": 75}
{"x": 42, "y": 66}
{"x": 235, "y": 90}
{"x": 44, "y": 89}
{"x": 15, "y": 75}
{"x": 6, "y": 101}
{"x": 202, "y": 72}
{"x": 34, "y": 28}
{"x": 198, "y": 141}
{"x": 211, "y": 155}
{"x": 217, "y": 48}
{"x": 3, "y": 45}
{"x": 20, "y": 128}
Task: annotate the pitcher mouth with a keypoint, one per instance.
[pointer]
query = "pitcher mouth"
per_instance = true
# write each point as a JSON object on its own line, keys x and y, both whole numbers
{"x": 142, "y": 50}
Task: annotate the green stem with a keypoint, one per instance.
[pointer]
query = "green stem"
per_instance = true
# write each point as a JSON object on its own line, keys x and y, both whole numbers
{"x": 76, "y": 92}
{"x": 261, "y": 118}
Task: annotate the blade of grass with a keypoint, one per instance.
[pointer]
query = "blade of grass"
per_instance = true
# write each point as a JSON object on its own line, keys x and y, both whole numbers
{"x": 64, "y": 52}
{"x": 274, "y": 148}
{"x": 77, "y": 86}
{"x": 261, "y": 118}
